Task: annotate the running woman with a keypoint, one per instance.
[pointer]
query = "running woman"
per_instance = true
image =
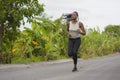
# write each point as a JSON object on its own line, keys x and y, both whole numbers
{"x": 75, "y": 28}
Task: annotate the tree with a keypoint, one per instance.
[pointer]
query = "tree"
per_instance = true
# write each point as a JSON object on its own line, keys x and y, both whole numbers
{"x": 12, "y": 14}
{"x": 113, "y": 30}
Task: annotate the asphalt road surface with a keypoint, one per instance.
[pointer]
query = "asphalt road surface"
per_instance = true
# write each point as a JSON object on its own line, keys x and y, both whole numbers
{"x": 105, "y": 68}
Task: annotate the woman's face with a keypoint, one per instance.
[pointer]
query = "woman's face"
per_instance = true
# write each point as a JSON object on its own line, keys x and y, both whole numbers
{"x": 74, "y": 16}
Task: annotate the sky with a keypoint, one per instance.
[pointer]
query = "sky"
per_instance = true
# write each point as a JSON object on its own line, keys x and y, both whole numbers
{"x": 92, "y": 13}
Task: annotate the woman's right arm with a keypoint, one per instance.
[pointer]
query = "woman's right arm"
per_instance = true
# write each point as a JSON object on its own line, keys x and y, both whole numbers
{"x": 67, "y": 27}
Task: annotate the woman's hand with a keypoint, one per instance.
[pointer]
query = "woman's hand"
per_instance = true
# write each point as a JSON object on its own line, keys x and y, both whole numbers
{"x": 78, "y": 30}
{"x": 69, "y": 35}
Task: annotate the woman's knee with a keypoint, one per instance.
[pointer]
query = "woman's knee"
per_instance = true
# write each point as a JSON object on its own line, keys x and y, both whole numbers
{"x": 74, "y": 54}
{"x": 70, "y": 54}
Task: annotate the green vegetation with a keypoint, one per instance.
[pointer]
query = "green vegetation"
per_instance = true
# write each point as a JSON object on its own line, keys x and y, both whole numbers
{"x": 99, "y": 44}
{"x": 46, "y": 39}
{"x": 12, "y": 14}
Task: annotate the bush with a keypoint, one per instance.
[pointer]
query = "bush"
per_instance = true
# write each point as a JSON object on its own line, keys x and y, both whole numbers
{"x": 98, "y": 44}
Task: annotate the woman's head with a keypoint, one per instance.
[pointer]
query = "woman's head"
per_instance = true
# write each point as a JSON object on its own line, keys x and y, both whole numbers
{"x": 74, "y": 15}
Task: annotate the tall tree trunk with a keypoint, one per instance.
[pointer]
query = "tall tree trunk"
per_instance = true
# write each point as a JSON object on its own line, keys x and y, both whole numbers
{"x": 1, "y": 34}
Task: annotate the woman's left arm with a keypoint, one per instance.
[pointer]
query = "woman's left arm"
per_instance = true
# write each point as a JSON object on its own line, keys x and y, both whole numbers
{"x": 83, "y": 32}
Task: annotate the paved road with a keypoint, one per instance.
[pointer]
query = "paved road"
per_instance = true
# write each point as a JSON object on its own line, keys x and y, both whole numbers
{"x": 105, "y": 68}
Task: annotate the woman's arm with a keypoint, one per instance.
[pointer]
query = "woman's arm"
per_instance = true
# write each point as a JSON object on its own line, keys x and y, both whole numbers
{"x": 68, "y": 29}
{"x": 82, "y": 28}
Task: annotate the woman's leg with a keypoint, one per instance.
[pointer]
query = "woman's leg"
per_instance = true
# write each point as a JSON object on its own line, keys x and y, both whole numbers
{"x": 70, "y": 47}
{"x": 76, "y": 46}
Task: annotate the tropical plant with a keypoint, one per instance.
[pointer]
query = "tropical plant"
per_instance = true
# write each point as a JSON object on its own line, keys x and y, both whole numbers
{"x": 12, "y": 14}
